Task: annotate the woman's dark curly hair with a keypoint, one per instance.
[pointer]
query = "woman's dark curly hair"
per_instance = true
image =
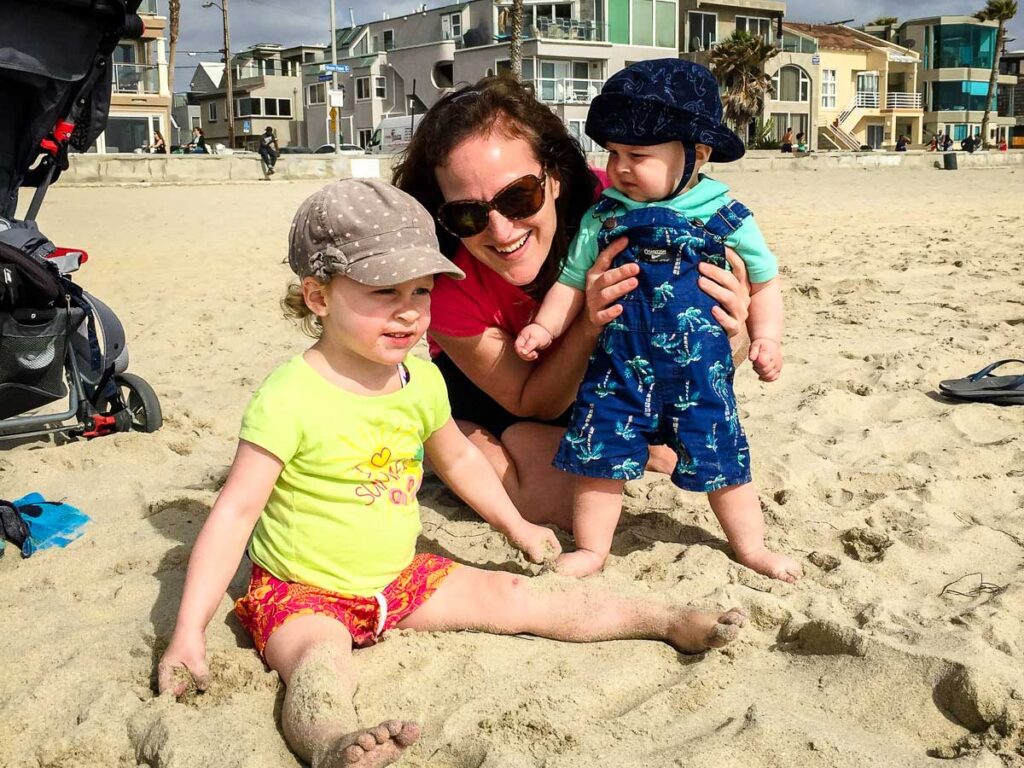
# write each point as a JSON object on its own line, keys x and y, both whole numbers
{"x": 500, "y": 103}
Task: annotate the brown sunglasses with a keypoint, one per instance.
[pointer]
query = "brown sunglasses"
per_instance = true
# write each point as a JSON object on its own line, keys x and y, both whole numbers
{"x": 518, "y": 200}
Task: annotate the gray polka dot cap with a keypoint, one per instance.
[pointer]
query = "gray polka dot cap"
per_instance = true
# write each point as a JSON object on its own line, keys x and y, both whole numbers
{"x": 367, "y": 230}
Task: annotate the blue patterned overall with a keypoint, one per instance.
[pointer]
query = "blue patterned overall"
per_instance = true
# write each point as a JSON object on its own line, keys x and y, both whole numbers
{"x": 662, "y": 371}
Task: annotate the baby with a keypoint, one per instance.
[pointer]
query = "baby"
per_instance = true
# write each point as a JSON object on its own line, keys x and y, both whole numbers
{"x": 662, "y": 371}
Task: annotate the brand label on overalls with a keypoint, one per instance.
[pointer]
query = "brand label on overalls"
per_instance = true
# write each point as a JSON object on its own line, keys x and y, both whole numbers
{"x": 653, "y": 254}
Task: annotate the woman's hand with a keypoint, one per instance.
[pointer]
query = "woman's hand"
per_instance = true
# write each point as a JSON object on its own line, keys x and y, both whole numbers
{"x": 184, "y": 657}
{"x": 606, "y": 286}
{"x": 730, "y": 289}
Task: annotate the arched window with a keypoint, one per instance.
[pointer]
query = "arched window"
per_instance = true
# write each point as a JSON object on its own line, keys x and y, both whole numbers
{"x": 792, "y": 84}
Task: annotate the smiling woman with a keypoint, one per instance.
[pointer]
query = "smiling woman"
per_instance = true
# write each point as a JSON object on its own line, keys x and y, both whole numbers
{"x": 509, "y": 186}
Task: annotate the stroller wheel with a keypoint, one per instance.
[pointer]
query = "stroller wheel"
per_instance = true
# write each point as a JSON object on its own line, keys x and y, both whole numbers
{"x": 142, "y": 402}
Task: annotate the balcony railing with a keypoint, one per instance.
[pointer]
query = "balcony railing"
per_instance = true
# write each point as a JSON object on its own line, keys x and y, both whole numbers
{"x": 136, "y": 78}
{"x": 554, "y": 90}
{"x": 586, "y": 30}
{"x": 867, "y": 99}
{"x": 903, "y": 100}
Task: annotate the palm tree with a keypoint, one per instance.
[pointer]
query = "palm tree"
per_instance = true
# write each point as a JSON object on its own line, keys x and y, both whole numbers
{"x": 515, "y": 45}
{"x": 884, "y": 21}
{"x": 173, "y": 21}
{"x": 1001, "y": 11}
{"x": 738, "y": 64}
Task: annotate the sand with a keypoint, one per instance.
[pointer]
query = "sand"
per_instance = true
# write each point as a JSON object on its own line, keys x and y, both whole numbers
{"x": 903, "y": 644}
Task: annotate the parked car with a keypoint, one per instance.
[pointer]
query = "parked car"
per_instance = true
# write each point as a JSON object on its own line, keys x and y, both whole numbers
{"x": 295, "y": 149}
{"x": 345, "y": 149}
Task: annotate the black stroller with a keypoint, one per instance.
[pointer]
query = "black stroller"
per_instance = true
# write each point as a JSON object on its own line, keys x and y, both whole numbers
{"x": 57, "y": 342}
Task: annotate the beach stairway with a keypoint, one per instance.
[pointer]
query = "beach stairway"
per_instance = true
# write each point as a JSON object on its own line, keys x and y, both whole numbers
{"x": 837, "y": 137}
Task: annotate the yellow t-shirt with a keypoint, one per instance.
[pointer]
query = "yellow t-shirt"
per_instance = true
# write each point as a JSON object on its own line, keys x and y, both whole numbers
{"x": 343, "y": 514}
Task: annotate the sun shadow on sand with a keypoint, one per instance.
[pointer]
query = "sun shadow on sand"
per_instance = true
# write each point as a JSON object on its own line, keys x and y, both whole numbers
{"x": 639, "y": 531}
{"x": 180, "y": 519}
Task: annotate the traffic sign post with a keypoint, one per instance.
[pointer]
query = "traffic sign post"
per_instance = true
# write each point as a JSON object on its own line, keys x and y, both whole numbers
{"x": 325, "y": 78}
{"x": 342, "y": 68}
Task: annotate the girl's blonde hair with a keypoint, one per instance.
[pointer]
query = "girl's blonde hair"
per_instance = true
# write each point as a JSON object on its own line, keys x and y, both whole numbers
{"x": 294, "y": 306}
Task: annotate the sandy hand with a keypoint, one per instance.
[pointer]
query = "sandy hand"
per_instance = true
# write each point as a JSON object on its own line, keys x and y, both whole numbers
{"x": 183, "y": 663}
{"x": 532, "y": 338}
{"x": 539, "y": 544}
{"x": 766, "y": 355}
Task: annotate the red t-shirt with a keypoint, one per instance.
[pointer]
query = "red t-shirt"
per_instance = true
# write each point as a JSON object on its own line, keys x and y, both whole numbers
{"x": 466, "y": 308}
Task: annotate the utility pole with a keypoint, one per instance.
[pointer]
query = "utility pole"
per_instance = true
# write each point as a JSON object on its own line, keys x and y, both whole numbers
{"x": 223, "y": 5}
{"x": 334, "y": 86}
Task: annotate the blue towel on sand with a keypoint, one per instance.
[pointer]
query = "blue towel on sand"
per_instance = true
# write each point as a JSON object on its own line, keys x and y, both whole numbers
{"x": 50, "y": 523}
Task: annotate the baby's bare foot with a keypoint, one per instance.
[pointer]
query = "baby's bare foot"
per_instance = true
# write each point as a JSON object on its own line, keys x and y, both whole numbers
{"x": 372, "y": 748}
{"x": 772, "y": 564}
{"x": 696, "y": 631}
{"x": 582, "y": 562}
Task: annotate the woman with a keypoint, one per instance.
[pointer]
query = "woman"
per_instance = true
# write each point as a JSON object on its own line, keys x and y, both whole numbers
{"x": 198, "y": 144}
{"x": 508, "y": 186}
{"x": 159, "y": 146}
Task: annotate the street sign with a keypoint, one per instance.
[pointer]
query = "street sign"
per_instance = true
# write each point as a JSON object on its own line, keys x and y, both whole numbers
{"x": 325, "y": 78}
{"x": 336, "y": 98}
{"x": 337, "y": 68}
{"x": 815, "y": 59}
{"x": 247, "y": 126}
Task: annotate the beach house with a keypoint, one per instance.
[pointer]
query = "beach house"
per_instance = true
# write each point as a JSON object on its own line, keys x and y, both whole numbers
{"x": 956, "y": 62}
{"x": 140, "y": 100}
{"x": 267, "y": 90}
{"x": 793, "y": 104}
{"x": 404, "y": 64}
{"x": 869, "y": 91}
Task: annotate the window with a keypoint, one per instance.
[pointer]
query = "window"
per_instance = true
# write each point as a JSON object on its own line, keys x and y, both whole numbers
{"x": 284, "y": 107}
{"x": 792, "y": 84}
{"x": 247, "y": 107}
{"x": 389, "y": 39}
{"x": 211, "y": 111}
{"x": 451, "y": 26}
{"x": 963, "y": 45}
{"x": 755, "y": 26}
{"x": 794, "y": 120}
{"x": 703, "y": 31}
{"x": 643, "y": 22}
{"x": 960, "y": 95}
{"x": 664, "y": 24}
{"x": 828, "y": 89}
{"x": 576, "y": 130}
{"x": 362, "y": 88}
{"x": 365, "y": 137}
{"x": 126, "y": 134}
{"x": 270, "y": 107}
{"x": 504, "y": 66}
{"x": 316, "y": 93}
{"x": 380, "y": 87}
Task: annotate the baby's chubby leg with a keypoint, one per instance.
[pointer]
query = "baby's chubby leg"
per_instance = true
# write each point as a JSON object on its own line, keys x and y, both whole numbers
{"x": 597, "y": 506}
{"x": 739, "y": 512}
{"x": 313, "y": 656}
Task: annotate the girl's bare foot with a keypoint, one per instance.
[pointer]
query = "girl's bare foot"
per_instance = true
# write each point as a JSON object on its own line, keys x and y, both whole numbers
{"x": 696, "y": 631}
{"x": 372, "y": 748}
{"x": 772, "y": 564}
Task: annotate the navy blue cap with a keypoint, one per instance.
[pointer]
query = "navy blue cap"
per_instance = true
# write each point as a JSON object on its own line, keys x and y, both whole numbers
{"x": 652, "y": 102}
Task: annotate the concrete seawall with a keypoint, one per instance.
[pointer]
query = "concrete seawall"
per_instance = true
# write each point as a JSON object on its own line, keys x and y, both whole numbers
{"x": 186, "y": 169}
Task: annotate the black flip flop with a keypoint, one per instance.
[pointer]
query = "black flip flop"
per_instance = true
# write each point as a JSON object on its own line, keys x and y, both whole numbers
{"x": 983, "y": 387}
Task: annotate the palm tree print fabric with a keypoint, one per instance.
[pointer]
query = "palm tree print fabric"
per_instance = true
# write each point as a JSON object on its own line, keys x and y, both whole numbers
{"x": 662, "y": 371}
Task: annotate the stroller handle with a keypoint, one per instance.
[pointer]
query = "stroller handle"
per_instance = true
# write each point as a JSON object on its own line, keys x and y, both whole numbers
{"x": 134, "y": 27}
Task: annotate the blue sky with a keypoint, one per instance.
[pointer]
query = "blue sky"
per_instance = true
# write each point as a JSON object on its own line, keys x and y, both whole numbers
{"x": 291, "y": 22}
